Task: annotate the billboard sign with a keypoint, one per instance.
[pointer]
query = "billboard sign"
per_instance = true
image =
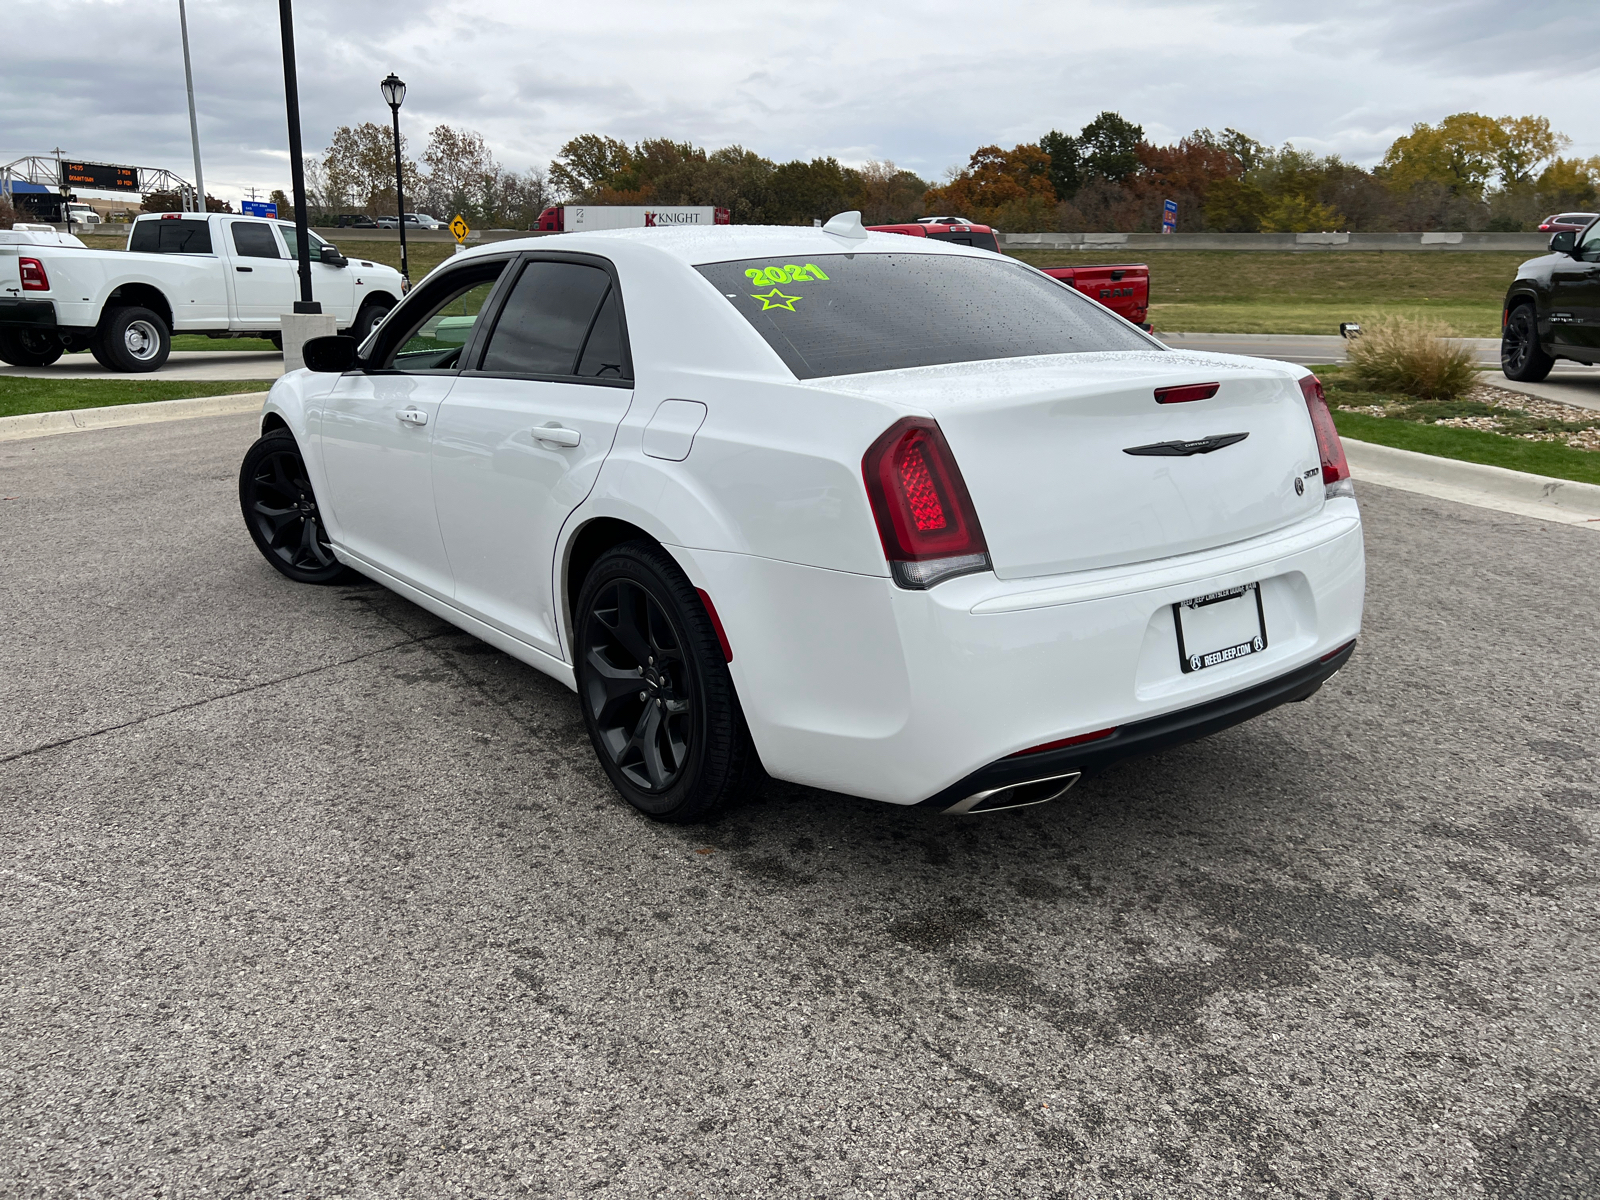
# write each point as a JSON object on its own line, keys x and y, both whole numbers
{"x": 258, "y": 208}
{"x": 1169, "y": 216}
{"x": 98, "y": 177}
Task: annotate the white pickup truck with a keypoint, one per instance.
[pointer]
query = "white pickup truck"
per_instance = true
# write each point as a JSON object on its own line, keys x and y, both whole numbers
{"x": 216, "y": 274}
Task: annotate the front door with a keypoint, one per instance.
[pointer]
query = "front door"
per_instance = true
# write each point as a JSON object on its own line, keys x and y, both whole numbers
{"x": 377, "y": 427}
{"x": 332, "y": 287}
{"x": 521, "y": 439}
{"x": 1581, "y": 295}
{"x": 262, "y": 279}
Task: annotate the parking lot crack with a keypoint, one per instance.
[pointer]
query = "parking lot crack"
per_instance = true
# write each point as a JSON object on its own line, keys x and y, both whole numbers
{"x": 194, "y": 704}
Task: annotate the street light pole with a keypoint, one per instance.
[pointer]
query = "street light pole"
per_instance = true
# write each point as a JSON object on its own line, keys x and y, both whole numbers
{"x": 297, "y": 167}
{"x": 194, "y": 125}
{"x": 394, "y": 93}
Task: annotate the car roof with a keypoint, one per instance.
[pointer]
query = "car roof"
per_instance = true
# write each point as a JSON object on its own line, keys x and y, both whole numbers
{"x": 699, "y": 245}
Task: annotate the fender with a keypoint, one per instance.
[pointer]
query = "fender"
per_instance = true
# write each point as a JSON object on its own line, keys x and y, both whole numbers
{"x": 288, "y": 406}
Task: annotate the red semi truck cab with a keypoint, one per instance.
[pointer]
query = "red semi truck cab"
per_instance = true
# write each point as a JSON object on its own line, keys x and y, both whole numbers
{"x": 1125, "y": 290}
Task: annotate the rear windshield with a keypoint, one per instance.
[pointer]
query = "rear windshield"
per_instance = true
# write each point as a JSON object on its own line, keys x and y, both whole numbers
{"x": 843, "y": 314}
{"x": 180, "y": 236}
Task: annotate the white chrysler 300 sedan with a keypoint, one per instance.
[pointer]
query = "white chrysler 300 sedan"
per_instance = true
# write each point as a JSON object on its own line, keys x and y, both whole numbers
{"x": 891, "y": 517}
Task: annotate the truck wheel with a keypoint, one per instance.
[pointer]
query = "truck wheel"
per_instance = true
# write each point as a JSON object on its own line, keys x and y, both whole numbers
{"x": 367, "y": 319}
{"x": 29, "y": 347}
{"x": 1521, "y": 356}
{"x": 133, "y": 340}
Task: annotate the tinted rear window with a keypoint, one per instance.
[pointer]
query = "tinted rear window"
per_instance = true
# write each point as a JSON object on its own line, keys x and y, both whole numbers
{"x": 841, "y": 314}
{"x": 970, "y": 237}
{"x": 180, "y": 236}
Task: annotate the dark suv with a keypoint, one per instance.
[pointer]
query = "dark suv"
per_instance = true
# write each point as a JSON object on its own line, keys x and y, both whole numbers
{"x": 1553, "y": 309}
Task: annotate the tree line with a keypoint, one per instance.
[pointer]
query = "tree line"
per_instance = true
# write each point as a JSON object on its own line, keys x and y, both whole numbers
{"x": 1468, "y": 172}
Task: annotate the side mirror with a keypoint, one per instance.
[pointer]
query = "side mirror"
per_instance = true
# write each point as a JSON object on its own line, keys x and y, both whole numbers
{"x": 331, "y": 257}
{"x": 334, "y": 355}
{"x": 1564, "y": 242}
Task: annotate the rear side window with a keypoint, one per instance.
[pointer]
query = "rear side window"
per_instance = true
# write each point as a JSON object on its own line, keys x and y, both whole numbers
{"x": 254, "y": 241}
{"x": 550, "y": 318}
{"x": 983, "y": 241}
{"x": 171, "y": 237}
{"x": 842, "y": 314}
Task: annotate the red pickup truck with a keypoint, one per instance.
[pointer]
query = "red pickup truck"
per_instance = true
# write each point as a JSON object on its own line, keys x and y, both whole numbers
{"x": 1125, "y": 290}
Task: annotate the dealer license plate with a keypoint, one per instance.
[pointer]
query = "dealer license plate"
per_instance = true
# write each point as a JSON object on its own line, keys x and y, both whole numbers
{"x": 1220, "y": 627}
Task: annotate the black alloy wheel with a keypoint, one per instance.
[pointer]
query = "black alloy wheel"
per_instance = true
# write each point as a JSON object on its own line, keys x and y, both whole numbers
{"x": 30, "y": 347}
{"x": 1521, "y": 356}
{"x": 657, "y": 696}
{"x": 280, "y": 510}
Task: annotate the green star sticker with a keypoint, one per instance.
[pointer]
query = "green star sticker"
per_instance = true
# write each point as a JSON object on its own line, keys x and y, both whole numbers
{"x": 775, "y": 299}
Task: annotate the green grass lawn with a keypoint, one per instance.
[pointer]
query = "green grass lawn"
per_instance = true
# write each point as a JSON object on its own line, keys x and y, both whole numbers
{"x": 1472, "y": 445}
{"x": 1245, "y": 291}
{"x": 18, "y": 396}
{"x": 1407, "y": 425}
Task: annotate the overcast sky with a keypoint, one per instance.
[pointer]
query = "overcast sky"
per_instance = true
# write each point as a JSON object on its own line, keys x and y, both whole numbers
{"x": 922, "y": 84}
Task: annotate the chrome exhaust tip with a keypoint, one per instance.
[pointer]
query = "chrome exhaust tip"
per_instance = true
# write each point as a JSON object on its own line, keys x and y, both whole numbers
{"x": 1016, "y": 795}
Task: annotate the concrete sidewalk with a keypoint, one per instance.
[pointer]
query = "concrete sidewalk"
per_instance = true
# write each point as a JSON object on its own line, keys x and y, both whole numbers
{"x": 184, "y": 364}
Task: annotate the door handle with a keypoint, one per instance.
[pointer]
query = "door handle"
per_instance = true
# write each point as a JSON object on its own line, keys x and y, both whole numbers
{"x": 557, "y": 436}
{"x": 412, "y": 416}
{"x": 244, "y": 268}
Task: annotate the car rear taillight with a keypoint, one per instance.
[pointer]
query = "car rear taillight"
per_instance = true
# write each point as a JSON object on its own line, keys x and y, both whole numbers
{"x": 1186, "y": 393}
{"x": 1335, "y": 468}
{"x": 925, "y": 517}
{"x": 33, "y": 277}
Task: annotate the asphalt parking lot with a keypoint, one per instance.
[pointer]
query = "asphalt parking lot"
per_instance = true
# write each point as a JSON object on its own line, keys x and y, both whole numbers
{"x": 306, "y": 894}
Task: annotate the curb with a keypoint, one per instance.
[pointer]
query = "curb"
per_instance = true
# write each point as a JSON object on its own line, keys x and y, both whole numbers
{"x": 74, "y": 420}
{"x": 1563, "y": 500}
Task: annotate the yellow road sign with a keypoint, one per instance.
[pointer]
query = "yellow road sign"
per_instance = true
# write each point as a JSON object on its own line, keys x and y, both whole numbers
{"x": 458, "y": 226}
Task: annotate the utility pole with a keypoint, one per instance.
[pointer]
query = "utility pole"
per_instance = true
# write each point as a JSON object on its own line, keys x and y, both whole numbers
{"x": 297, "y": 166}
{"x": 61, "y": 185}
{"x": 194, "y": 126}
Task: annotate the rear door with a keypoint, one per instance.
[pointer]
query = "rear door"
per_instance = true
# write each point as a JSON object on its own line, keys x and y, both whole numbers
{"x": 522, "y": 436}
{"x": 1580, "y": 296}
{"x": 260, "y": 277}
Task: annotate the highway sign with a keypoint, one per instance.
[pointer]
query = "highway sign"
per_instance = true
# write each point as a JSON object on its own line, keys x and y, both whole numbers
{"x": 458, "y": 226}
{"x": 99, "y": 177}
{"x": 1169, "y": 216}
{"x": 258, "y": 208}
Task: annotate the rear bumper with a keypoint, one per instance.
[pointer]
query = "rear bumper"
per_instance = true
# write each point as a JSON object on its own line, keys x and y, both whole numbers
{"x": 1146, "y": 737}
{"x": 31, "y": 314}
{"x": 854, "y": 685}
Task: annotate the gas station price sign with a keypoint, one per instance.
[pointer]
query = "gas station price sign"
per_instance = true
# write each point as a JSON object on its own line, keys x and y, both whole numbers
{"x": 99, "y": 177}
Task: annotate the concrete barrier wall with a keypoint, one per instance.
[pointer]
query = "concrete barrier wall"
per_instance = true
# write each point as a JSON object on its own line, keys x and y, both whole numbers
{"x": 1097, "y": 243}
{"x": 1100, "y": 243}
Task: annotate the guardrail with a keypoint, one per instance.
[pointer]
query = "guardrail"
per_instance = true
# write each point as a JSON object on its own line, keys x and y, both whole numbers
{"x": 1100, "y": 243}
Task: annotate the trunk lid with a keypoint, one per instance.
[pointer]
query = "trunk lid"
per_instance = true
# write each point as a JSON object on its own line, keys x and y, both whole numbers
{"x": 1042, "y": 444}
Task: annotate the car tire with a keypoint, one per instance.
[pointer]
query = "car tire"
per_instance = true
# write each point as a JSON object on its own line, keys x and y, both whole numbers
{"x": 657, "y": 697}
{"x": 30, "y": 347}
{"x": 367, "y": 319}
{"x": 1521, "y": 356}
{"x": 133, "y": 341}
{"x": 280, "y": 511}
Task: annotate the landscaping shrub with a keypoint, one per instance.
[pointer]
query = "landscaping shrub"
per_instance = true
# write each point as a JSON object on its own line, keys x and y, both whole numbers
{"x": 1413, "y": 356}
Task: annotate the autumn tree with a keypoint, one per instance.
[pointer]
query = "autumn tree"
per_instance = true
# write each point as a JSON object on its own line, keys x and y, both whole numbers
{"x": 998, "y": 187}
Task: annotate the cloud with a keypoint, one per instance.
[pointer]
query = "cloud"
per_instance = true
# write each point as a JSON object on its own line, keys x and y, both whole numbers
{"x": 923, "y": 86}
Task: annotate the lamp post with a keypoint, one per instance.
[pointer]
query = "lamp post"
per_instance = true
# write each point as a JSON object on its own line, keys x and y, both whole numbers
{"x": 394, "y": 94}
{"x": 297, "y": 170}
